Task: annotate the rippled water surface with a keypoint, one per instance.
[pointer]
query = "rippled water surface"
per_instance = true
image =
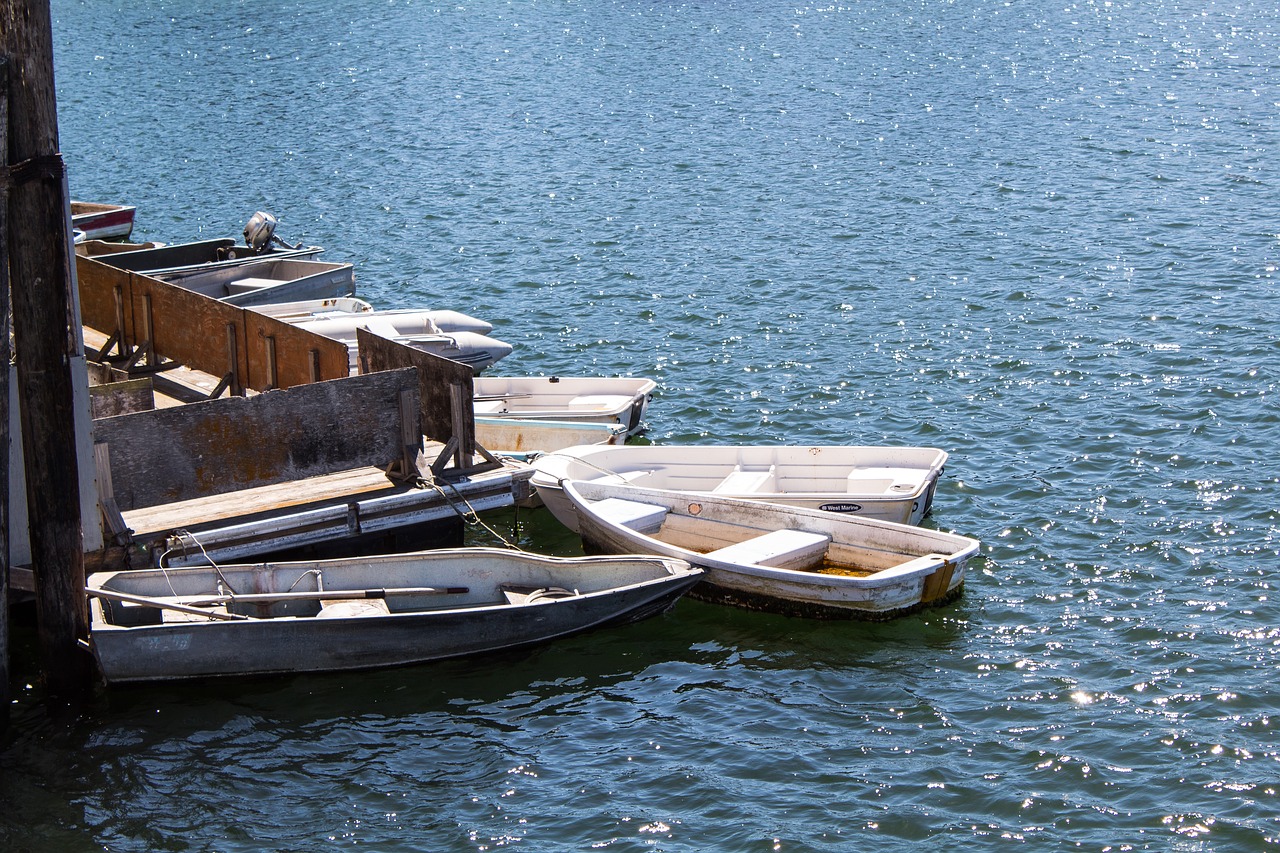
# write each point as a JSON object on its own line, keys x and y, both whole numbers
{"x": 1040, "y": 236}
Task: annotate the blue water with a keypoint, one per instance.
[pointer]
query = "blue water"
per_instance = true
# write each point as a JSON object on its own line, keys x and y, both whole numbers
{"x": 1040, "y": 236}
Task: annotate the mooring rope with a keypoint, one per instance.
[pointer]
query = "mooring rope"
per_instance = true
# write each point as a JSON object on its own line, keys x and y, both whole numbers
{"x": 187, "y": 534}
{"x": 470, "y": 516}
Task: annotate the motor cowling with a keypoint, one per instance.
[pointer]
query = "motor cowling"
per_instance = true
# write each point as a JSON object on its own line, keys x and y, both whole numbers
{"x": 259, "y": 231}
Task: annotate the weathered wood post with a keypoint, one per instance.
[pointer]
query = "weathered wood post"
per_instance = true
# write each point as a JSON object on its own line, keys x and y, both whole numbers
{"x": 5, "y": 358}
{"x": 47, "y": 338}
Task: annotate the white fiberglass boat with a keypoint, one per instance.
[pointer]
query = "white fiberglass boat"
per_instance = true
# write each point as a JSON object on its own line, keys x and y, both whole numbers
{"x": 888, "y": 483}
{"x": 780, "y": 559}
{"x": 587, "y": 399}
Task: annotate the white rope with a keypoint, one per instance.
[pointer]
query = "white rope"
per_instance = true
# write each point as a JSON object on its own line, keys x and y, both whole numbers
{"x": 187, "y": 534}
{"x": 471, "y": 516}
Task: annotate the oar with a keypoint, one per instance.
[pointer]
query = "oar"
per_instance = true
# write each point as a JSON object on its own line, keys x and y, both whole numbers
{"x": 163, "y": 605}
{"x": 328, "y": 595}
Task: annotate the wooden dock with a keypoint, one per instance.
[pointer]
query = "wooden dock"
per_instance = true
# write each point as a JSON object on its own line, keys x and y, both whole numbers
{"x": 326, "y": 509}
{"x": 221, "y": 434}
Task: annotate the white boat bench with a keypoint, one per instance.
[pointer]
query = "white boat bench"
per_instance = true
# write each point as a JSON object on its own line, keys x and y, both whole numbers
{"x": 640, "y": 517}
{"x": 886, "y": 480}
{"x": 347, "y": 607}
{"x": 928, "y": 562}
{"x": 778, "y": 549}
{"x": 599, "y": 402}
{"x": 249, "y": 284}
{"x": 740, "y": 482}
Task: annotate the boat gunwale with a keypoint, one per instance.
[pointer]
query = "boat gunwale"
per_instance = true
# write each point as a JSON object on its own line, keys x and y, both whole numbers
{"x": 100, "y": 624}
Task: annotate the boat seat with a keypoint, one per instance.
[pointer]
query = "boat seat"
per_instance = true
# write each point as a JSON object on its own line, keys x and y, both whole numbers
{"x": 346, "y": 608}
{"x": 886, "y": 480}
{"x": 173, "y": 617}
{"x": 599, "y": 402}
{"x": 858, "y": 484}
{"x": 640, "y": 517}
{"x": 928, "y": 561}
{"x": 778, "y": 549}
{"x": 250, "y": 284}
{"x": 741, "y": 482}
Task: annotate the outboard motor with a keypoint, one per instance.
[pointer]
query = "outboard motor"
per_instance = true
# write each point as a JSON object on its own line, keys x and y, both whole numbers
{"x": 260, "y": 233}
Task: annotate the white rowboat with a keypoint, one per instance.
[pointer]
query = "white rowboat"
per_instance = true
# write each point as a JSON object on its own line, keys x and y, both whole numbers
{"x": 781, "y": 559}
{"x": 521, "y": 435}
{"x": 887, "y": 483}
{"x": 584, "y": 399}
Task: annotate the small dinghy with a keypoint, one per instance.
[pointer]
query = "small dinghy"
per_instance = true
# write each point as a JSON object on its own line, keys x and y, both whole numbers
{"x": 580, "y": 399}
{"x": 260, "y": 243}
{"x": 191, "y": 257}
{"x": 340, "y": 316}
{"x": 530, "y": 437}
{"x": 449, "y": 334}
{"x": 781, "y": 559}
{"x": 362, "y": 613}
{"x": 394, "y": 323}
{"x": 98, "y": 221}
{"x": 266, "y": 280}
{"x": 887, "y": 483}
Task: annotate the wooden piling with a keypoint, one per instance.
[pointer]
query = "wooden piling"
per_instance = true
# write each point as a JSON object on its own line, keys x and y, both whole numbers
{"x": 5, "y": 358}
{"x": 47, "y": 340}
